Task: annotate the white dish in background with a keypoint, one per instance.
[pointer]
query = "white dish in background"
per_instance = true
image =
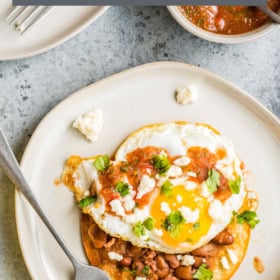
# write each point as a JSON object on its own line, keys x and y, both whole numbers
{"x": 129, "y": 100}
{"x": 220, "y": 38}
{"x": 60, "y": 25}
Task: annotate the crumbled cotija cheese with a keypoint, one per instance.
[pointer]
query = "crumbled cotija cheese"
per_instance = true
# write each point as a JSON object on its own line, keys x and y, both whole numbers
{"x": 90, "y": 124}
{"x": 115, "y": 256}
{"x": 146, "y": 185}
{"x": 187, "y": 260}
{"x": 186, "y": 95}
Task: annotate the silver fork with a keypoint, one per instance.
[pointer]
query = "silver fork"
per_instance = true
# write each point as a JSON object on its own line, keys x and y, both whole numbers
{"x": 10, "y": 166}
{"x": 24, "y": 18}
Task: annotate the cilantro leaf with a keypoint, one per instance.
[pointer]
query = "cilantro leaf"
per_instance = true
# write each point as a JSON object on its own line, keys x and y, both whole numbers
{"x": 139, "y": 229}
{"x": 196, "y": 226}
{"x": 122, "y": 188}
{"x": 87, "y": 201}
{"x": 102, "y": 163}
{"x": 161, "y": 164}
{"x": 250, "y": 217}
{"x": 235, "y": 185}
{"x": 166, "y": 188}
{"x": 146, "y": 270}
{"x": 213, "y": 180}
{"x": 172, "y": 223}
{"x": 149, "y": 223}
{"x": 203, "y": 273}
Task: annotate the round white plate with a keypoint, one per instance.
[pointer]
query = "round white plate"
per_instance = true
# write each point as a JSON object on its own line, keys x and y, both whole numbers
{"x": 129, "y": 100}
{"x": 61, "y": 24}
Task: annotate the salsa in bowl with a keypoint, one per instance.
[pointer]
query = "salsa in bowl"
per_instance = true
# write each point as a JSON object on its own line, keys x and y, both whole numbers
{"x": 225, "y": 24}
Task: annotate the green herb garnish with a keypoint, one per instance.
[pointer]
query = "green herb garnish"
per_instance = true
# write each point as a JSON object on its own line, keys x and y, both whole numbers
{"x": 161, "y": 164}
{"x": 146, "y": 270}
{"x": 102, "y": 163}
{"x": 234, "y": 185}
{"x": 250, "y": 217}
{"x": 139, "y": 229}
{"x": 213, "y": 180}
{"x": 166, "y": 188}
{"x": 173, "y": 222}
{"x": 196, "y": 226}
{"x": 203, "y": 273}
{"x": 149, "y": 223}
{"x": 122, "y": 188}
{"x": 87, "y": 201}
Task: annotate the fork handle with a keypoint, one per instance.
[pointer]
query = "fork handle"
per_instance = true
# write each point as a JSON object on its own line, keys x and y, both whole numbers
{"x": 10, "y": 166}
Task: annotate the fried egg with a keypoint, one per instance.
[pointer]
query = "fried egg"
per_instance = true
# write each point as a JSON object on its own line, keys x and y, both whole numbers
{"x": 171, "y": 187}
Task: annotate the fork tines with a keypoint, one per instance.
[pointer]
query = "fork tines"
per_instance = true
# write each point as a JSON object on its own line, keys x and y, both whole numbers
{"x": 23, "y": 18}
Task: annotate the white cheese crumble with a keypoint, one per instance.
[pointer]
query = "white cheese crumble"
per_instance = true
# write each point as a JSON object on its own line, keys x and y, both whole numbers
{"x": 140, "y": 278}
{"x": 187, "y": 260}
{"x": 117, "y": 207}
{"x": 186, "y": 95}
{"x": 189, "y": 185}
{"x": 182, "y": 161}
{"x": 90, "y": 124}
{"x": 158, "y": 232}
{"x": 174, "y": 171}
{"x": 146, "y": 185}
{"x": 191, "y": 174}
{"x": 115, "y": 256}
{"x": 164, "y": 207}
{"x": 232, "y": 256}
{"x": 225, "y": 263}
{"x": 204, "y": 190}
{"x": 129, "y": 202}
{"x": 216, "y": 211}
{"x": 189, "y": 215}
{"x": 179, "y": 257}
{"x": 179, "y": 198}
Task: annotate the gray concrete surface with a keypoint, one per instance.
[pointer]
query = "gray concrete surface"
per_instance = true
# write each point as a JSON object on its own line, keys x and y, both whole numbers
{"x": 120, "y": 39}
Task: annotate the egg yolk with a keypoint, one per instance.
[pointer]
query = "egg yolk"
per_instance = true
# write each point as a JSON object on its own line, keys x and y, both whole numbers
{"x": 187, "y": 232}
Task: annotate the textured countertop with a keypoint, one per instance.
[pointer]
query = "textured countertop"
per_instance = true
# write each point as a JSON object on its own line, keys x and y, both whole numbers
{"x": 120, "y": 39}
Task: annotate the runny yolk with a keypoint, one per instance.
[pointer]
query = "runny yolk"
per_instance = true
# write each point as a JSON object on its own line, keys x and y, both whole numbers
{"x": 187, "y": 231}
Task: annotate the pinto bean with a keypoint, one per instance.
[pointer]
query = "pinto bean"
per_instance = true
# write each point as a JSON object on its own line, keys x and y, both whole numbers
{"x": 224, "y": 238}
{"x": 151, "y": 263}
{"x": 97, "y": 236}
{"x": 172, "y": 260}
{"x": 151, "y": 254}
{"x": 153, "y": 277}
{"x": 170, "y": 277}
{"x": 110, "y": 243}
{"x": 138, "y": 265}
{"x": 119, "y": 246}
{"x": 207, "y": 250}
{"x": 134, "y": 251}
{"x": 126, "y": 261}
{"x": 198, "y": 261}
{"x": 184, "y": 272}
{"x": 162, "y": 267}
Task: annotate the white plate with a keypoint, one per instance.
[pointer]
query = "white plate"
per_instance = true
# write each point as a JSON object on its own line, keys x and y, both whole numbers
{"x": 131, "y": 99}
{"x": 61, "y": 24}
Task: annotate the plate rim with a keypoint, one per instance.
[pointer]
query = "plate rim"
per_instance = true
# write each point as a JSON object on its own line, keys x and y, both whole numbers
{"x": 61, "y": 40}
{"x": 242, "y": 94}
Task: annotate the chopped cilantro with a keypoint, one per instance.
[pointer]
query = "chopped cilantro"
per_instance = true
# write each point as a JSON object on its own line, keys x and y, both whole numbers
{"x": 149, "y": 223}
{"x": 203, "y": 273}
{"x": 102, "y": 163}
{"x": 196, "y": 226}
{"x": 213, "y": 180}
{"x": 146, "y": 270}
{"x": 122, "y": 188}
{"x": 234, "y": 185}
{"x": 166, "y": 188}
{"x": 139, "y": 229}
{"x": 124, "y": 167}
{"x": 161, "y": 164}
{"x": 250, "y": 217}
{"x": 172, "y": 223}
{"x": 87, "y": 201}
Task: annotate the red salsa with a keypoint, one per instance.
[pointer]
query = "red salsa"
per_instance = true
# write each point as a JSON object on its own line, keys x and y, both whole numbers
{"x": 228, "y": 19}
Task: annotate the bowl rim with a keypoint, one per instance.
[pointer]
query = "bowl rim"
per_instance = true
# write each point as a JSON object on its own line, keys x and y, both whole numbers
{"x": 219, "y": 38}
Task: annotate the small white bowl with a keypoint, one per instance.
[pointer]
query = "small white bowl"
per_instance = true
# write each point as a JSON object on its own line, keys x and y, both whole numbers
{"x": 219, "y": 38}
